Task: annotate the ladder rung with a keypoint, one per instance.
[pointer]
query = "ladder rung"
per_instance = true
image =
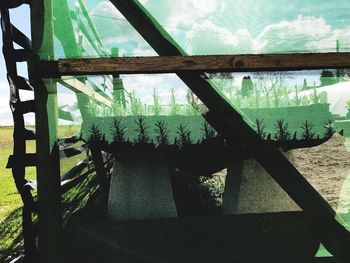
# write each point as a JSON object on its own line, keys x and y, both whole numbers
{"x": 20, "y": 55}
{"x": 26, "y": 106}
{"x": 29, "y": 161}
{"x": 22, "y": 83}
{"x": 29, "y": 134}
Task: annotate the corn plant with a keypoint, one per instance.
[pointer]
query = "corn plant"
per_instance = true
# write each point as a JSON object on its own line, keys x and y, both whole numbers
{"x": 251, "y": 101}
{"x": 174, "y": 106}
{"x": 192, "y": 103}
{"x": 95, "y": 135}
{"x": 93, "y": 107}
{"x": 105, "y": 111}
{"x": 268, "y": 100}
{"x": 285, "y": 101}
{"x": 156, "y": 102}
{"x": 282, "y": 133}
{"x": 162, "y": 132}
{"x": 208, "y": 131}
{"x": 257, "y": 97}
{"x": 307, "y": 128}
{"x": 260, "y": 128}
{"x": 142, "y": 130}
{"x": 329, "y": 129}
{"x": 315, "y": 98}
{"x": 304, "y": 101}
{"x": 237, "y": 99}
{"x": 277, "y": 93}
{"x": 117, "y": 109}
{"x": 136, "y": 107}
{"x": 297, "y": 99}
{"x": 323, "y": 97}
{"x": 118, "y": 130}
{"x": 184, "y": 135}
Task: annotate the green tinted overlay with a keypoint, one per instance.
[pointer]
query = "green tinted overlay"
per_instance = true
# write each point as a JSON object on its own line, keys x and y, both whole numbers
{"x": 302, "y": 112}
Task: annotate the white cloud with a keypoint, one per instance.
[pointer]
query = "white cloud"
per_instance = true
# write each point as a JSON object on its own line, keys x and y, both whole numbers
{"x": 194, "y": 25}
{"x": 208, "y": 38}
{"x": 304, "y": 34}
{"x": 188, "y": 12}
{"x": 5, "y": 112}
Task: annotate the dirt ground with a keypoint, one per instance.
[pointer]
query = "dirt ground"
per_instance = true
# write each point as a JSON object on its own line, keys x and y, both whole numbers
{"x": 326, "y": 167}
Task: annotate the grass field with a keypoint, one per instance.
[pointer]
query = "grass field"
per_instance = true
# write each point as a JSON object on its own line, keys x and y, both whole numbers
{"x": 10, "y": 200}
{"x": 9, "y": 197}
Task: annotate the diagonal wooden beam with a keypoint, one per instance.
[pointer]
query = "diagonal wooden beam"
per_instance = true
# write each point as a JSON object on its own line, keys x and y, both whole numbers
{"x": 79, "y": 87}
{"x": 211, "y": 63}
{"x": 230, "y": 123}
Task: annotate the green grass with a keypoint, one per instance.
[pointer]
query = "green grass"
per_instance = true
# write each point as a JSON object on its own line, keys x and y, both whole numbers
{"x": 10, "y": 200}
{"x": 9, "y": 197}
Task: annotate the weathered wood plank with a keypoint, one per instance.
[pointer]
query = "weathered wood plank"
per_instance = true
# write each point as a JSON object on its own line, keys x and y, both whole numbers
{"x": 80, "y": 87}
{"x": 222, "y": 63}
{"x": 230, "y": 123}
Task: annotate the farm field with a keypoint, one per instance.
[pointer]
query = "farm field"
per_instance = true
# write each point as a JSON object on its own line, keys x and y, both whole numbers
{"x": 10, "y": 201}
{"x": 327, "y": 168}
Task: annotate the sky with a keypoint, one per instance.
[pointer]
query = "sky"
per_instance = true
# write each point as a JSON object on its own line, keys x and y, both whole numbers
{"x": 235, "y": 26}
{"x": 20, "y": 18}
{"x": 202, "y": 28}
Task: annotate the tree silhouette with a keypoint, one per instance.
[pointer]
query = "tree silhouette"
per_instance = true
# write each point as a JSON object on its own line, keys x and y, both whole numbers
{"x": 247, "y": 86}
{"x": 327, "y": 78}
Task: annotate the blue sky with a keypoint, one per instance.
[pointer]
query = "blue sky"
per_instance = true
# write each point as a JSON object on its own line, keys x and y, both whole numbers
{"x": 20, "y": 18}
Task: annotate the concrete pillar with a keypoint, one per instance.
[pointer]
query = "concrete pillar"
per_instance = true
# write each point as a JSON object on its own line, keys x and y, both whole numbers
{"x": 140, "y": 187}
{"x": 250, "y": 189}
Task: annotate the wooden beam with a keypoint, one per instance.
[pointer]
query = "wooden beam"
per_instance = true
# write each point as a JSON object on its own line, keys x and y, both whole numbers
{"x": 230, "y": 123}
{"x": 223, "y": 63}
{"x": 46, "y": 119}
{"x": 78, "y": 86}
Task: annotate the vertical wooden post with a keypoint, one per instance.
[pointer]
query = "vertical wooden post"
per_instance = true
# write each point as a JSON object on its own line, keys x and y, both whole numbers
{"x": 48, "y": 166}
{"x": 118, "y": 88}
{"x": 101, "y": 174}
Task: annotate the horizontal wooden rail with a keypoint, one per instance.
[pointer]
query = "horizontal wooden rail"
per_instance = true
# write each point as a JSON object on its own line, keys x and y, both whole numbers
{"x": 212, "y": 63}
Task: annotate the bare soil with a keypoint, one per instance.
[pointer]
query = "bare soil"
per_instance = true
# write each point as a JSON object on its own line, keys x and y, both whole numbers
{"x": 325, "y": 167}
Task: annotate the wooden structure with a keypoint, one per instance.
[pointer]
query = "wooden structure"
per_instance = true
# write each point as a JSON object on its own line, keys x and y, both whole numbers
{"x": 190, "y": 69}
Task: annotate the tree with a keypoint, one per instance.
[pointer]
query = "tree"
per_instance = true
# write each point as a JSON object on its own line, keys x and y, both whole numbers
{"x": 305, "y": 87}
{"x": 224, "y": 81}
{"x": 268, "y": 82}
{"x": 156, "y": 102}
{"x": 327, "y": 78}
{"x": 247, "y": 86}
{"x": 174, "y": 106}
